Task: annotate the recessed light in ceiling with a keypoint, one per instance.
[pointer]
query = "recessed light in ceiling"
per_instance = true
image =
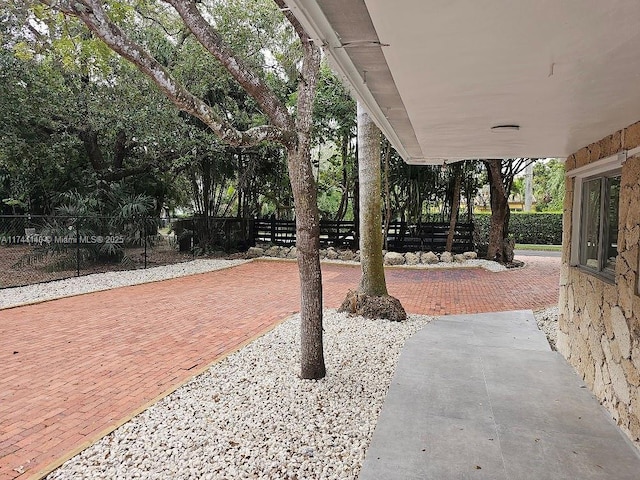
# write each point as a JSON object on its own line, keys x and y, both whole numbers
{"x": 505, "y": 128}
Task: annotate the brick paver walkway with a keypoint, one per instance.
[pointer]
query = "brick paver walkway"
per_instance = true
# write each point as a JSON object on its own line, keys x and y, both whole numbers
{"x": 75, "y": 368}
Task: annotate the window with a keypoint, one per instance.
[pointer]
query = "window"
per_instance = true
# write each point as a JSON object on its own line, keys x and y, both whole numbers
{"x": 594, "y": 232}
{"x": 598, "y": 242}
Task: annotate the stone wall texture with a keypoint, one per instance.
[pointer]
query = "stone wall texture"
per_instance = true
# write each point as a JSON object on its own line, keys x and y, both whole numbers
{"x": 599, "y": 321}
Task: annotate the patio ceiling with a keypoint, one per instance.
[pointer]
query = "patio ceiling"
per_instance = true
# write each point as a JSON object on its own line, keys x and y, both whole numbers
{"x": 437, "y": 76}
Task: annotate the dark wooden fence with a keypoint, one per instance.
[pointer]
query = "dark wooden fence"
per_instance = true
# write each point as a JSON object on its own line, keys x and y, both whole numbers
{"x": 283, "y": 232}
{"x": 429, "y": 237}
{"x": 231, "y": 233}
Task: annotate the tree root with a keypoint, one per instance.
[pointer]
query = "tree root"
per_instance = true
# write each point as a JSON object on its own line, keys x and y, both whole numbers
{"x": 373, "y": 306}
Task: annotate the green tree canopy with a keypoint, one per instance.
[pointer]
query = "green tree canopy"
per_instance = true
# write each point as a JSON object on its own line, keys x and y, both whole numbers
{"x": 548, "y": 185}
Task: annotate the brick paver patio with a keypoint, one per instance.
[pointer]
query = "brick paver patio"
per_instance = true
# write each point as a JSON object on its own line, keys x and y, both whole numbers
{"x": 74, "y": 369}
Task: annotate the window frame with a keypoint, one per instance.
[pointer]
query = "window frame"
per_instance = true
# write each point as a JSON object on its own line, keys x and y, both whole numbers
{"x": 604, "y": 228}
{"x": 605, "y": 170}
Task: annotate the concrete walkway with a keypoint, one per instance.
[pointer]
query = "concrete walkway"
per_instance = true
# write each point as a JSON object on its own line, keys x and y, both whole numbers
{"x": 484, "y": 397}
{"x": 74, "y": 369}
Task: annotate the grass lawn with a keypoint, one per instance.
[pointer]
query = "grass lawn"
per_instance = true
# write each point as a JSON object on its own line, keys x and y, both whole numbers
{"x": 546, "y": 248}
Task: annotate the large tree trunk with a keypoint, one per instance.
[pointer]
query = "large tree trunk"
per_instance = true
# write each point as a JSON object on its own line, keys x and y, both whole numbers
{"x": 308, "y": 245}
{"x": 305, "y": 198}
{"x": 387, "y": 197}
{"x": 371, "y": 299}
{"x": 499, "y": 248}
{"x": 455, "y": 205}
{"x": 356, "y": 203}
{"x": 372, "y": 281}
{"x": 344, "y": 200}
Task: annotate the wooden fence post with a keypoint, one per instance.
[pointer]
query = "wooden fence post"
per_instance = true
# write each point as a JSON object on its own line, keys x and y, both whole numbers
{"x": 252, "y": 232}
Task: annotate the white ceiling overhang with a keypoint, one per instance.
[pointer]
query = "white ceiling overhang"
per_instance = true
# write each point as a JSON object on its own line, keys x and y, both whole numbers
{"x": 437, "y": 76}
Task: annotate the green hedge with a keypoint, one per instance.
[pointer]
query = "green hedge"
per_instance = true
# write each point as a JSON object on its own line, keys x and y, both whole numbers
{"x": 533, "y": 228}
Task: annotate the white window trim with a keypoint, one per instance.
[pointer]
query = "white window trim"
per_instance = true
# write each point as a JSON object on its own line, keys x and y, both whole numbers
{"x": 579, "y": 174}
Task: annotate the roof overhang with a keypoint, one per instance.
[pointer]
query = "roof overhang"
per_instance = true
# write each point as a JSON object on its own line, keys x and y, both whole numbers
{"x": 438, "y": 77}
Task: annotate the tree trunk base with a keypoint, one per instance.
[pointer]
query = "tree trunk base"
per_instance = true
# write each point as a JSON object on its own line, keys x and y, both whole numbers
{"x": 508, "y": 245}
{"x": 514, "y": 264}
{"x": 373, "y": 306}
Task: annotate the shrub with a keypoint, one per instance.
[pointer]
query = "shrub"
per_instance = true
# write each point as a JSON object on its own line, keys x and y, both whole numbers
{"x": 524, "y": 227}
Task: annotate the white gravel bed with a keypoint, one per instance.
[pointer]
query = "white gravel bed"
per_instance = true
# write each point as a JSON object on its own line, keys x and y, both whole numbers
{"x": 251, "y": 417}
{"x": 547, "y": 321}
{"x": 475, "y": 263}
{"x": 10, "y": 297}
{"x": 486, "y": 264}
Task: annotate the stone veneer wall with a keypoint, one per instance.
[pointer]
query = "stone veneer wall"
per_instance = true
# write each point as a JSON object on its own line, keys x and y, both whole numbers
{"x": 599, "y": 322}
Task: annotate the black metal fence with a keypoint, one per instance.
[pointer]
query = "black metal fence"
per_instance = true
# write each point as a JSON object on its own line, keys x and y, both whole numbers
{"x": 35, "y": 248}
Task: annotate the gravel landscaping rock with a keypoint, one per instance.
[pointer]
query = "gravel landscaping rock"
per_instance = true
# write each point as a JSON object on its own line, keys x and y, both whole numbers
{"x": 273, "y": 251}
{"x": 412, "y": 258}
{"x": 332, "y": 254}
{"x": 547, "y": 321}
{"x": 393, "y": 258}
{"x": 346, "y": 256}
{"x": 429, "y": 258}
{"x": 446, "y": 257}
{"x": 255, "y": 252}
{"x": 251, "y": 416}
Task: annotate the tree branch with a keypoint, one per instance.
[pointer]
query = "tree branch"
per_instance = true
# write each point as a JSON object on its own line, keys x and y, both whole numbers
{"x": 310, "y": 67}
{"x": 89, "y": 138}
{"x": 269, "y": 103}
{"x": 286, "y": 11}
{"x": 92, "y": 13}
{"x": 155, "y": 21}
{"x": 307, "y": 84}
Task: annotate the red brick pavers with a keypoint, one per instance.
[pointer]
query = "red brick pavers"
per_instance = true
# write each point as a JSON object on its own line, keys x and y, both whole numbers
{"x": 461, "y": 290}
{"x": 75, "y": 368}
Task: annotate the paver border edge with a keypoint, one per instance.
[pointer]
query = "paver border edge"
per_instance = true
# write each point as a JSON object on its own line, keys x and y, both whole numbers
{"x": 50, "y": 467}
